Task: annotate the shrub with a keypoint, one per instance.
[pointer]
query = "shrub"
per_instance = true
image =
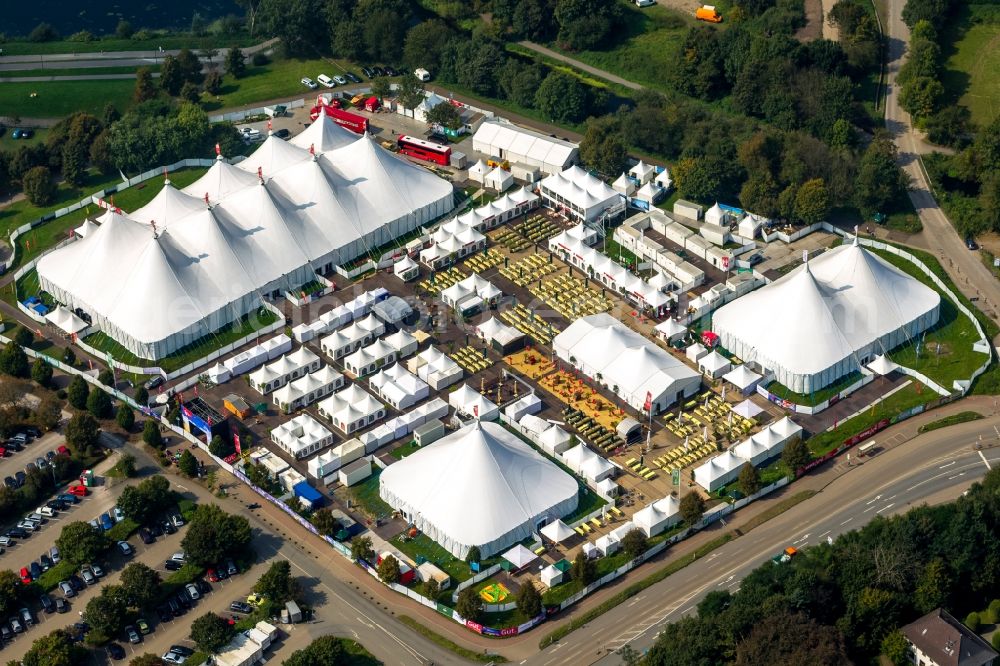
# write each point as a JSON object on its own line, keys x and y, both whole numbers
{"x": 38, "y": 186}
{"x": 260, "y": 59}
{"x": 973, "y": 621}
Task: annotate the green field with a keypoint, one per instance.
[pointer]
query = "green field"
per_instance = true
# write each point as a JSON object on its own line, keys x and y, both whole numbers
{"x": 816, "y": 397}
{"x": 971, "y": 41}
{"x": 10, "y": 144}
{"x": 70, "y": 71}
{"x": 168, "y": 42}
{"x": 54, "y": 99}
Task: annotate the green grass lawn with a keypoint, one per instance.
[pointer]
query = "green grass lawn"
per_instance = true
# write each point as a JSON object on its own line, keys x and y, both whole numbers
{"x": 70, "y": 71}
{"x": 280, "y": 78}
{"x": 366, "y": 494}
{"x": 407, "y": 449}
{"x": 22, "y": 212}
{"x": 53, "y": 99}
{"x": 644, "y": 53}
{"x": 189, "y": 353}
{"x": 10, "y": 144}
{"x": 168, "y": 42}
{"x": 897, "y": 402}
{"x": 954, "y": 419}
{"x": 971, "y": 42}
{"x": 816, "y": 397}
{"x": 423, "y": 546}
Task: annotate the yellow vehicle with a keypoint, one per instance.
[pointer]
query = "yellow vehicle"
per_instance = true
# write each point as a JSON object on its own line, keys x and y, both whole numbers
{"x": 505, "y": 165}
{"x": 255, "y": 599}
{"x": 708, "y": 13}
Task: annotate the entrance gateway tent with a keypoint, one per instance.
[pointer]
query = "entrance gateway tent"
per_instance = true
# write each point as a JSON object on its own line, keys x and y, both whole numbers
{"x": 237, "y": 234}
{"x": 480, "y": 486}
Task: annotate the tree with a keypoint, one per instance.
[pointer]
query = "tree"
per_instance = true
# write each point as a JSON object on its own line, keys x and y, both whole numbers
{"x": 361, "y": 549}
{"x": 562, "y": 98}
{"x": 410, "y": 92}
{"x": 795, "y": 455}
{"x": 41, "y": 372}
{"x": 78, "y": 392}
{"x": 812, "y": 201}
{"x": 692, "y": 508}
{"x": 145, "y": 89}
{"x": 325, "y": 522}
{"x": 603, "y": 146}
{"x": 23, "y": 337}
{"x": 759, "y": 194}
{"x": 324, "y": 651}
{"x": 106, "y": 612}
{"x": 583, "y": 568}
{"x": 922, "y": 97}
{"x": 236, "y": 65}
{"x": 786, "y": 638}
{"x": 381, "y": 87}
{"x": 38, "y": 186}
{"x": 190, "y": 92}
{"x": 127, "y": 465}
{"x": 99, "y": 404}
{"x": 81, "y": 543}
{"x": 82, "y": 431}
{"x": 48, "y": 414}
{"x": 211, "y": 633}
{"x": 124, "y": 29}
{"x": 213, "y": 82}
{"x": 140, "y": 584}
{"x": 69, "y": 357}
{"x": 749, "y": 480}
{"x": 151, "y": 434}
{"x": 469, "y": 605}
{"x": 933, "y": 586}
{"x": 973, "y": 621}
{"x": 13, "y": 361}
{"x": 277, "y": 583}
{"x": 425, "y": 43}
{"x": 54, "y": 649}
{"x": 896, "y": 649}
{"x": 880, "y": 181}
{"x": 171, "y": 76}
{"x": 10, "y": 592}
{"x": 584, "y": 24}
{"x": 388, "y": 570}
{"x": 529, "y": 602}
{"x": 214, "y": 534}
{"x": 43, "y": 32}
{"x": 188, "y": 464}
{"x": 125, "y": 417}
{"x": 147, "y": 659}
{"x": 634, "y": 543}
{"x": 141, "y": 395}
{"x": 221, "y": 447}
{"x": 474, "y": 555}
{"x": 446, "y": 115}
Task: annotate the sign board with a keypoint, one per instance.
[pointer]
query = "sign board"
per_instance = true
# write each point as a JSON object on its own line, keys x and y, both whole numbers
{"x": 675, "y": 477}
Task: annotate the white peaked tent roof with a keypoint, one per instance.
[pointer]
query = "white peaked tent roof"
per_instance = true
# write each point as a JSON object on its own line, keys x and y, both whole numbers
{"x": 557, "y": 531}
{"x": 480, "y": 486}
{"x": 670, "y": 328}
{"x": 65, "y": 320}
{"x": 824, "y": 311}
{"x": 221, "y": 180}
{"x": 747, "y": 409}
{"x": 168, "y": 206}
{"x": 553, "y": 436}
{"x": 713, "y": 361}
{"x": 479, "y": 168}
{"x": 714, "y": 214}
{"x": 86, "y": 228}
{"x": 648, "y": 191}
{"x": 431, "y": 100}
{"x": 323, "y": 135}
{"x": 272, "y": 156}
{"x": 519, "y": 556}
{"x": 741, "y": 376}
{"x": 641, "y": 169}
{"x": 882, "y": 365}
{"x": 623, "y": 184}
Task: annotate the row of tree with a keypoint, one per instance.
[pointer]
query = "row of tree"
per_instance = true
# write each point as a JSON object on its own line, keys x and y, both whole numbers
{"x": 844, "y": 603}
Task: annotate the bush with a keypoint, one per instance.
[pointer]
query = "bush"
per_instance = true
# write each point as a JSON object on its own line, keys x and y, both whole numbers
{"x": 41, "y": 372}
{"x": 69, "y": 357}
{"x": 82, "y": 36}
{"x": 151, "y": 434}
{"x": 996, "y": 640}
{"x": 99, "y": 404}
{"x": 125, "y": 418}
{"x": 973, "y": 621}
{"x": 43, "y": 32}
{"x": 38, "y": 186}
{"x": 259, "y": 59}
{"x": 994, "y": 611}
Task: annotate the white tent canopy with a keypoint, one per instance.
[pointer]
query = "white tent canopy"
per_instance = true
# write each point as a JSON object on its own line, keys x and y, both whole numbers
{"x": 478, "y": 171}
{"x": 470, "y": 402}
{"x": 714, "y": 364}
{"x": 480, "y": 486}
{"x": 524, "y": 146}
{"x": 519, "y": 556}
{"x": 849, "y": 306}
{"x": 86, "y": 228}
{"x": 882, "y": 365}
{"x": 742, "y": 377}
{"x": 747, "y": 409}
{"x": 583, "y": 195}
{"x": 557, "y": 531}
{"x": 66, "y": 320}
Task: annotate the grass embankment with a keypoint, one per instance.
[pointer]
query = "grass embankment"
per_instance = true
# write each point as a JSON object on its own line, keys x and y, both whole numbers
{"x": 970, "y": 40}
{"x": 816, "y": 397}
{"x": 167, "y": 42}
{"x": 71, "y": 71}
{"x": 776, "y": 510}
{"x": 954, "y": 419}
{"x": 53, "y": 99}
{"x": 450, "y": 645}
{"x": 279, "y": 78}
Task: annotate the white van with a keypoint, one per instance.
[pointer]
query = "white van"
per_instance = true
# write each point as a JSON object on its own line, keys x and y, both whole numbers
{"x": 422, "y": 74}
{"x": 325, "y": 80}
{"x": 45, "y": 511}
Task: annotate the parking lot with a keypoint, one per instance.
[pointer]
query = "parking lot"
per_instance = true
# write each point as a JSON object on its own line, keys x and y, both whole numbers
{"x": 15, "y": 461}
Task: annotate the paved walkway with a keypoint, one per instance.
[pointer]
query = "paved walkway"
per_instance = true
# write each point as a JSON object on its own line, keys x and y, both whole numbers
{"x": 607, "y": 76}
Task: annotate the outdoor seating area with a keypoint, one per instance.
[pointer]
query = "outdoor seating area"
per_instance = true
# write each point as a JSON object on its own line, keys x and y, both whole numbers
{"x": 571, "y": 297}
{"x": 529, "y": 269}
{"x": 441, "y": 281}
{"x": 708, "y": 414}
{"x": 530, "y": 363}
{"x": 471, "y": 360}
{"x": 510, "y": 239}
{"x": 482, "y": 261}
{"x": 538, "y": 228}
{"x": 591, "y": 430}
{"x": 530, "y": 324}
{"x": 576, "y": 393}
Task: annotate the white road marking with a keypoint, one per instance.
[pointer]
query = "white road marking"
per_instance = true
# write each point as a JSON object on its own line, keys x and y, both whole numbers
{"x": 824, "y": 534}
{"x": 985, "y": 461}
{"x": 886, "y": 508}
{"x": 848, "y": 520}
{"x": 948, "y": 465}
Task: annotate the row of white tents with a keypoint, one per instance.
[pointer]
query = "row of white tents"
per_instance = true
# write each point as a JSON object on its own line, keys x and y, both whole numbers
{"x": 755, "y": 450}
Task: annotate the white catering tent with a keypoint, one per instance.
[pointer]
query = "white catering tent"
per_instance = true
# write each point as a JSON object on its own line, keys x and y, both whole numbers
{"x": 351, "y": 409}
{"x": 849, "y": 307}
{"x": 499, "y": 180}
{"x": 557, "y": 531}
{"x": 65, "y": 320}
{"x": 756, "y": 450}
{"x": 307, "y": 389}
{"x": 398, "y": 387}
{"x": 480, "y": 486}
{"x": 581, "y": 195}
{"x": 302, "y": 436}
{"x": 714, "y": 364}
{"x": 658, "y": 516}
{"x": 743, "y": 378}
{"x": 352, "y": 337}
{"x": 747, "y": 409}
{"x": 670, "y": 330}
{"x": 284, "y": 369}
{"x": 591, "y": 466}
{"x": 555, "y": 440}
{"x": 524, "y": 146}
{"x": 406, "y": 269}
{"x": 369, "y": 359}
{"x": 600, "y": 344}
{"x": 210, "y": 263}
{"x": 623, "y": 185}
{"x": 470, "y": 402}
{"x": 473, "y": 286}
{"x": 435, "y": 367}
{"x": 520, "y": 557}
{"x": 718, "y": 471}
{"x": 642, "y": 172}
{"x": 478, "y": 171}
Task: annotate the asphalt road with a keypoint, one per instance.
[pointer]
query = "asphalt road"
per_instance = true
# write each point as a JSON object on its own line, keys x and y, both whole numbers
{"x": 936, "y": 466}
{"x": 938, "y": 235}
{"x": 107, "y": 59}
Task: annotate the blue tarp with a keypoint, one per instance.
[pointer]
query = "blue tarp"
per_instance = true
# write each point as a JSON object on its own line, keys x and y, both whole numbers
{"x": 41, "y": 309}
{"x": 308, "y": 493}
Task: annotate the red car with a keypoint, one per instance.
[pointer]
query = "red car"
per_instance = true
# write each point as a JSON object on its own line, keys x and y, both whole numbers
{"x": 62, "y": 450}
{"x": 212, "y": 576}
{"x": 78, "y": 490}
{"x": 3, "y": 452}
{"x": 25, "y": 576}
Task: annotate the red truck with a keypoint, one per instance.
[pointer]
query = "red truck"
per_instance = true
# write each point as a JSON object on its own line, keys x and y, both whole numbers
{"x": 351, "y": 121}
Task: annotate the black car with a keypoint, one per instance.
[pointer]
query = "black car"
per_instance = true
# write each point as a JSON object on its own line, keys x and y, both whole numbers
{"x": 367, "y": 71}
{"x": 56, "y": 505}
{"x": 5, "y": 633}
{"x": 378, "y": 71}
{"x": 17, "y": 533}
{"x": 282, "y": 133}
{"x": 21, "y": 477}
{"x": 36, "y": 570}
{"x": 10, "y": 482}
{"x": 391, "y": 71}
{"x": 175, "y": 608}
{"x": 171, "y": 565}
{"x": 116, "y": 651}
{"x": 46, "y": 562}
{"x": 352, "y": 77}
{"x": 183, "y": 600}
{"x": 62, "y": 605}
{"x": 47, "y": 603}
{"x": 14, "y": 445}
{"x": 76, "y": 582}
{"x": 168, "y": 527}
{"x": 203, "y": 586}
{"x": 154, "y": 382}
{"x": 241, "y": 607}
{"x": 181, "y": 650}
{"x": 50, "y": 455}
{"x": 146, "y": 536}
{"x": 156, "y": 530}
{"x": 163, "y": 612}
{"x": 971, "y": 243}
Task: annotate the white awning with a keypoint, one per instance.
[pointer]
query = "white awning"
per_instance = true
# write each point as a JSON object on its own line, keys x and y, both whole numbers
{"x": 747, "y": 409}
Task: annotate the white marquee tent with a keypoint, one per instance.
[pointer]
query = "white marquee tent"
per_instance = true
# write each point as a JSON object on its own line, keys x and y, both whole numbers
{"x": 600, "y": 344}
{"x": 66, "y": 320}
{"x": 524, "y": 146}
{"x": 557, "y": 531}
{"x": 658, "y": 516}
{"x": 743, "y": 378}
{"x": 480, "y": 486}
{"x": 849, "y": 307}
{"x": 231, "y": 237}
{"x": 581, "y": 195}
{"x": 591, "y": 466}
{"x": 470, "y": 402}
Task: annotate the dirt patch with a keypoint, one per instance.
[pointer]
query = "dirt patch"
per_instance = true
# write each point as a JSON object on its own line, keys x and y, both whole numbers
{"x": 830, "y": 31}
{"x": 813, "y": 29}
{"x": 685, "y": 7}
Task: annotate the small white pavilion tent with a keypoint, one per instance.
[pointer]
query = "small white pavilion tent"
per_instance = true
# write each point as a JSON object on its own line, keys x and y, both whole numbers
{"x": 520, "y": 557}
{"x": 743, "y": 378}
{"x": 718, "y": 471}
{"x": 499, "y": 180}
{"x": 747, "y": 409}
{"x": 658, "y": 516}
{"x": 65, "y": 320}
{"x": 670, "y": 330}
{"x": 588, "y": 464}
{"x": 557, "y": 531}
{"x": 478, "y": 171}
{"x": 471, "y": 403}
{"x": 882, "y": 365}
{"x": 555, "y": 440}
{"x": 623, "y": 185}
{"x": 714, "y": 364}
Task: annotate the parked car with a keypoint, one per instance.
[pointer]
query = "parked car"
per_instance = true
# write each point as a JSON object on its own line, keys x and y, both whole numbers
{"x": 27, "y": 617}
{"x": 368, "y": 72}
{"x": 181, "y": 650}
{"x": 5, "y": 632}
{"x": 69, "y": 498}
{"x": 67, "y": 589}
{"x": 970, "y": 243}
{"x": 41, "y": 462}
{"x": 282, "y": 134}
{"x": 21, "y": 477}
{"x": 352, "y": 77}
{"x": 10, "y": 482}
{"x": 54, "y": 555}
{"x": 203, "y": 586}
{"x": 25, "y": 576}
{"x": 212, "y": 575}
{"x": 146, "y": 536}
{"x": 27, "y": 526}
{"x": 183, "y": 599}
{"x": 46, "y": 562}
{"x": 79, "y": 490}
{"x": 16, "y": 626}
{"x": 143, "y": 626}
{"x": 192, "y": 592}
{"x": 36, "y": 570}
{"x": 76, "y": 582}
{"x": 62, "y": 606}
{"x": 118, "y": 514}
{"x": 339, "y": 80}
{"x": 163, "y": 612}
{"x": 391, "y": 71}
{"x": 47, "y": 603}
{"x": 378, "y": 71}
{"x": 125, "y": 548}
{"x": 309, "y": 83}
{"x": 18, "y": 533}
{"x": 116, "y": 651}
{"x": 5, "y": 541}
{"x": 173, "y": 658}
{"x": 170, "y": 565}
{"x": 168, "y": 528}
{"x": 231, "y": 567}
{"x": 155, "y": 382}
{"x": 241, "y": 607}
{"x": 98, "y": 571}
{"x": 178, "y": 557}
{"x": 88, "y": 576}
{"x": 133, "y": 634}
